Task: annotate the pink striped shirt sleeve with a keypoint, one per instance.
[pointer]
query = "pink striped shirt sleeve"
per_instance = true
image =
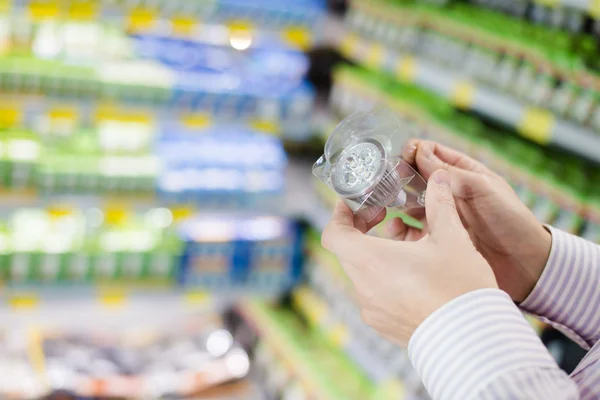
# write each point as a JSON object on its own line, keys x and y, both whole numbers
{"x": 479, "y": 346}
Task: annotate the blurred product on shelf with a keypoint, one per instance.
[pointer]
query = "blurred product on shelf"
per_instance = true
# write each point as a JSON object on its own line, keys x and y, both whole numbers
{"x": 291, "y": 361}
{"x": 261, "y": 254}
{"x": 221, "y": 167}
{"x": 74, "y": 247}
{"x": 497, "y": 72}
{"x": 218, "y": 73}
{"x": 75, "y": 250}
{"x": 215, "y": 166}
{"x": 553, "y": 184}
{"x": 181, "y": 13}
{"x": 130, "y": 364}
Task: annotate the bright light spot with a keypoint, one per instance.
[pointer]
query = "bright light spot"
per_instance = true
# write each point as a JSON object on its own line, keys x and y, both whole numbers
{"x": 240, "y": 40}
{"x": 238, "y": 363}
{"x": 95, "y": 217}
{"x": 219, "y": 342}
{"x": 160, "y": 217}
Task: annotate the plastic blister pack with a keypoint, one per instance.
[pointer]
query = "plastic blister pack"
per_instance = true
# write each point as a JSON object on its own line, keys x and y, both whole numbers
{"x": 362, "y": 164}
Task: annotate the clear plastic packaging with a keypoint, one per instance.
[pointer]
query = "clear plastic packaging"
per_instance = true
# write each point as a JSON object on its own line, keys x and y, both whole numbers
{"x": 362, "y": 164}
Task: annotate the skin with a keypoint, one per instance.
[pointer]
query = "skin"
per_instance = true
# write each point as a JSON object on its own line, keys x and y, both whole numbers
{"x": 500, "y": 226}
{"x": 477, "y": 235}
{"x": 400, "y": 283}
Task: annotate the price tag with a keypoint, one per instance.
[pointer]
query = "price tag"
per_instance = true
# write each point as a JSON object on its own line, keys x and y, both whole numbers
{"x": 196, "y": 297}
{"x": 115, "y": 214}
{"x": 390, "y": 390}
{"x": 83, "y": 11}
{"x": 196, "y": 120}
{"x": 594, "y": 8}
{"x": 142, "y": 19}
{"x": 69, "y": 114}
{"x": 180, "y": 213}
{"x": 183, "y": 25}
{"x": 59, "y": 211}
{"x": 112, "y": 298}
{"x": 463, "y": 95}
{"x": 237, "y": 26}
{"x": 5, "y": 6}
{"x": 24, "y": 301}
{"x": 40, "y": 10}
{"x": 406, "y": 69}
{"x": 548, "y": 3}
{"x": 537, "y": 125}
{"x": 298, "y": 37}
{"x": 339, "y": 336}
{"x": 349, "y": 43}
{"x": 375, "y": 56}
{"x": 10, "y": 116}
{"x": 265, "y": 126}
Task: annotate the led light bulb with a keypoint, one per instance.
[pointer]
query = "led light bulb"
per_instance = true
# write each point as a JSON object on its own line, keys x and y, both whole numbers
{"x": 360, "y": 165}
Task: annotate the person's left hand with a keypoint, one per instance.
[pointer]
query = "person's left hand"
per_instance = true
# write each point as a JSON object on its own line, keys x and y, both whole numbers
{"x": 400, "y": 283}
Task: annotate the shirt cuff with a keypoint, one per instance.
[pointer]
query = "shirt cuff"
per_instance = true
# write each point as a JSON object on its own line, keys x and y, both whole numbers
{"x": 472, "y": 340}
{"x": 568, "y": 288}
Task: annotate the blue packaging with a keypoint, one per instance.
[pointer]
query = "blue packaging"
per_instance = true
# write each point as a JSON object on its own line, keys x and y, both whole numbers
{"x": 259, "y": 253}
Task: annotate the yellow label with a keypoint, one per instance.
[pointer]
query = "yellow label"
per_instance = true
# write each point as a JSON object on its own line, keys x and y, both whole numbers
{"x": 110, "y": 112}
{"x": 375, "y": 56}
{"x": 65, "y": 113}
{"x": 392, "y": 389}
{"x": 298, "y": 37}
{"x": 80, "y": 11}
{"x": 40, "y": 10}
{"x": 240, "y": 26}
{"x": 265, "y": 126}
{"x": 339, "y": 336}
{"x": 10, "y": 116}
{"x": 406, "y": 69}
{"x": 196, "y": 297}
{"x": 349, "y": 43}
{"x": 112, "y": 298}
{"x": 196, "y": 121}
{"x": 183, "y": 25}
{"x": 59, "y": 211}
{"x": 314, "y": 309}
{"x": 537, "y": 125}
{"x": 115, "y": 215}
{"x": 5, "y": 6}
{"x": 24, "y": 301}
{"x": 141, "y": 19}
{"x": 180, "y": 213}
{"x": 549, "y": 3}
{"x": 463, "y": 95}
{"x": 594, "y": 8}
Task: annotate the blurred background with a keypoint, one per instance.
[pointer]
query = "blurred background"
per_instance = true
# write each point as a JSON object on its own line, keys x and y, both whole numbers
{"x": 159, "y": 224}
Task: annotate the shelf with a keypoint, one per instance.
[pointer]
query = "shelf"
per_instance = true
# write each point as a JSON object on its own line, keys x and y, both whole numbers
{"x": 592, "y": 7}
{"x": 533, "y": 123}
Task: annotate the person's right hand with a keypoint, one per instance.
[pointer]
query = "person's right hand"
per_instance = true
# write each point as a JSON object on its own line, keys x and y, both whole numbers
{"x": 502, "y": 228}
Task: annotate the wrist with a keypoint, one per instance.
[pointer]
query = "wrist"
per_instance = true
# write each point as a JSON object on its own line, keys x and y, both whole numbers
{"x": 533, "y": 261}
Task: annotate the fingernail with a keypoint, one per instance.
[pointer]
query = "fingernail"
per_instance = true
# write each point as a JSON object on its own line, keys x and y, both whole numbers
{"x": 442, "y": 177}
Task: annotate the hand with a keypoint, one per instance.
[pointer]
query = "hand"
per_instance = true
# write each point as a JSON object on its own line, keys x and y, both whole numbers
{"x": 502, "y": 228}
{"x": 399, "y": 284}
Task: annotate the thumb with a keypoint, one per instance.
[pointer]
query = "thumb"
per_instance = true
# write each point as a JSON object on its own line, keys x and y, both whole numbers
{"x": 442, "y": 216}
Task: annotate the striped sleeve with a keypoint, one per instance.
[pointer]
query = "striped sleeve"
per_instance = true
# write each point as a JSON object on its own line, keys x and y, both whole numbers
{"x": 567, "y": 294}
{"x": 479, "y": 345}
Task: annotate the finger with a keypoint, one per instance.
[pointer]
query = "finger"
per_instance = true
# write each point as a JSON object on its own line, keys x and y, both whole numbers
{"x": 341, "y": 237}
{"x": 376, "y": 221}
{"x": 431, "y": 156}
{"x": 467, "y": 174}
{"x": 442, "y": 216}
{"x": 409, "y": 151}
{"x": 396, "y": 229}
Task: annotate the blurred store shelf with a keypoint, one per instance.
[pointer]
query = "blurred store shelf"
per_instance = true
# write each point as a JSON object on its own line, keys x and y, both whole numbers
{"x": 534, "y": 123}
